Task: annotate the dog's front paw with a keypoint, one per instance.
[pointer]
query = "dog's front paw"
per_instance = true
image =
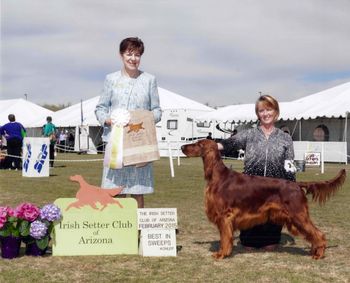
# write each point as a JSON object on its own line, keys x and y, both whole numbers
{"x": 218, "y": 255}
{"x": 318, "y": 252}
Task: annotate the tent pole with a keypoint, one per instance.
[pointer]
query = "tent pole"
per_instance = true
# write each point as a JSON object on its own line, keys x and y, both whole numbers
{"x": 346, "y": 127}
{"x": 81, "y": 112}
{"x": 213, "y": 129}
{"x": 172, "y": 174}
{"x": 295, "y": 126}
{"x": 346, "y": 133}
{"x": 300, "y": 130}
{"x": 322, "y": 157}
{"x": 192, "y": 129}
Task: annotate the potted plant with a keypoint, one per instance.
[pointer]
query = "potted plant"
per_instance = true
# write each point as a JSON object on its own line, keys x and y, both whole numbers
{"x": 14, "y": 224}
{"x": 40, "y": 230}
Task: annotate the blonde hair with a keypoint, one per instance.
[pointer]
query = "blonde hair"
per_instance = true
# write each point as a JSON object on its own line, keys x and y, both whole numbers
{"x": 267, "y": 101}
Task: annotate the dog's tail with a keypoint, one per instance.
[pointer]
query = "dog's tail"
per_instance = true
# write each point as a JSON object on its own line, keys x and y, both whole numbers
{"x": 322, "y": 191}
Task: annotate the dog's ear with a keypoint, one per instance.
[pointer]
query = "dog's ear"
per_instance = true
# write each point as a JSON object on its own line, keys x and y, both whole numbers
{"x": 200, "y": 144}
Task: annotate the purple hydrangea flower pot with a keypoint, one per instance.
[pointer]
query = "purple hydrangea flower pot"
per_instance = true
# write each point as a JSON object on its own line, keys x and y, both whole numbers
{"x": 33, "y": 249}
{"x": 10, "y": 247}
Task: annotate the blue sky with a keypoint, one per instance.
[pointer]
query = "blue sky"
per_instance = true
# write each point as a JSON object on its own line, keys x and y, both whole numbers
{"x": 216, "y": 52}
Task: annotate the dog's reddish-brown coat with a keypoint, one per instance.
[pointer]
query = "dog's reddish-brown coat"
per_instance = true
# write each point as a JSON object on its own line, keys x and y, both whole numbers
{"x": 238, "y": 201}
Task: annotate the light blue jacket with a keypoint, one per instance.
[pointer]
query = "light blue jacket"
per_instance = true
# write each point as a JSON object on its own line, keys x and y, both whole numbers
{"x": 127, "y": 93}
{"x": 130, "y": 94}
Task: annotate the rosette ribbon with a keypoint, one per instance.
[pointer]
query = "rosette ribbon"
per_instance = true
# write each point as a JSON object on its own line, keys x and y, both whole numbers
{"x": 114, "y": 150}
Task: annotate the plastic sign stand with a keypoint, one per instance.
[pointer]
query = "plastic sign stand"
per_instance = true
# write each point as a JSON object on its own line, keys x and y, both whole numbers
{"x": 108, "y": 230}
{"x": 36, "y": 157}
{"x": 158, "y": 235}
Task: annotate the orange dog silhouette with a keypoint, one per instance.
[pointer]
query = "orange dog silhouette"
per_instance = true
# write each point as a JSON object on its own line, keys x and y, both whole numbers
{"x": 135, "y": 127}
{"x": 90, "y": 195}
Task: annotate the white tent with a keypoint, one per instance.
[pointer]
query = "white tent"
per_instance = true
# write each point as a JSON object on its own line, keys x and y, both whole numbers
{"x": 232, "y": 113}
{"x": 81, "y": 116}
{"x": 25, "y": 111}
{"x": 170, "y": 100}
{"x": 330, "y": 103}
{"x": 75, "y": 115}
{"x": 84, "y": 113}
{"x": 241, "y": 113}
{"x": 326, "y": 110}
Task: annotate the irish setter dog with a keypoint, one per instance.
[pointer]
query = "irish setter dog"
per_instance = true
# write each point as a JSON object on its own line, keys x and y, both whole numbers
{"x": 237, "y": 201}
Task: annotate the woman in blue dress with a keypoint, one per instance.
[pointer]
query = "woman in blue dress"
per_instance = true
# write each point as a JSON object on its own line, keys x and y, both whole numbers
{"x": 129, "y": 89}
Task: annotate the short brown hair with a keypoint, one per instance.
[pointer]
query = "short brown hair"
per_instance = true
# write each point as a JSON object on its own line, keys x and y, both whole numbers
{"x": 131, "y": 43}
{"x": 268, "y": 101}
{"x": 11, "y": 117}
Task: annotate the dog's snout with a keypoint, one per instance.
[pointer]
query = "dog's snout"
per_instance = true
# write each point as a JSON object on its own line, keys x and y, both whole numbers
{"x": 182, "y": 147}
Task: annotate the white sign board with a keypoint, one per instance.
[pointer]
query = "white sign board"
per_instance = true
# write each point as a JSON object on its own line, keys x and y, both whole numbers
{"x": 157, "y": 218}
{"x": 313, "y": 158}
{"x": 158, "y": 235}
{"x": 36, "y": 157}
{"x": 158, "y": 242}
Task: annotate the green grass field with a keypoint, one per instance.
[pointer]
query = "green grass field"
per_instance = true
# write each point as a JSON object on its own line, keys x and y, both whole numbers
{"x": 197, "y": 237}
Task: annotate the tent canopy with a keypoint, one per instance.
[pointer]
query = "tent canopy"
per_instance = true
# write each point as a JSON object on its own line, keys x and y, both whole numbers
{"x": 232, "y": 113}
{"x": 84, "y": 113}
{"x": 329, "y": 103}
{"x": 25, "y": 111}
{"x": 171, "y": 100}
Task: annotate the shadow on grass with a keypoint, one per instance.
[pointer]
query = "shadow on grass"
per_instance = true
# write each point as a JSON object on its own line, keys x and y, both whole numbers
{"x": 286, "y": 246}
{"x": 59, "y": 166}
